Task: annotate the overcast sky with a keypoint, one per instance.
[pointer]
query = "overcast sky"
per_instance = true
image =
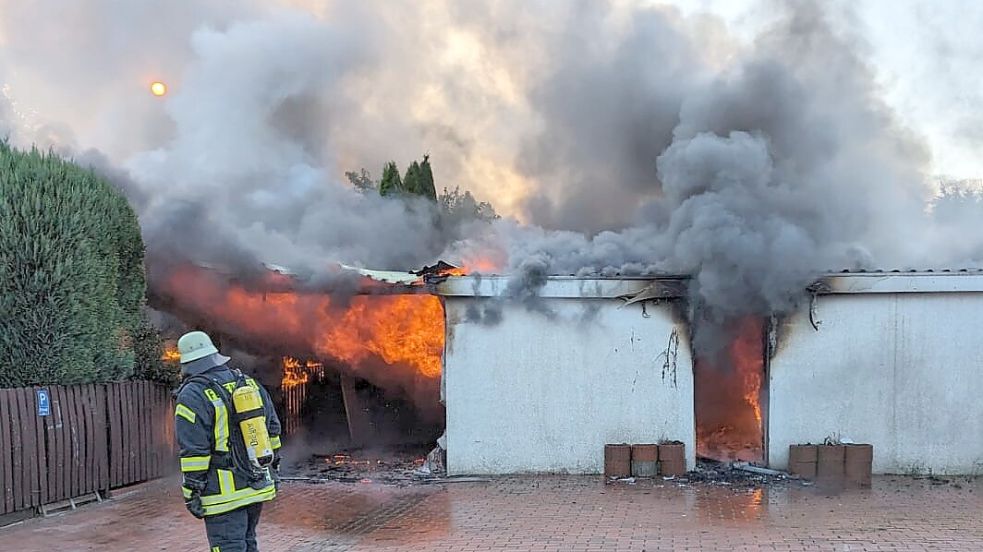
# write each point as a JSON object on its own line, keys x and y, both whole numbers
{"x": 928, "y": 55}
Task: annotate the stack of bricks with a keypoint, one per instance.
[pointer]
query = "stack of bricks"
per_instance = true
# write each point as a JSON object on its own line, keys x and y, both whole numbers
{"x": 849, "y": 463}
{"x": 644, "y": 460}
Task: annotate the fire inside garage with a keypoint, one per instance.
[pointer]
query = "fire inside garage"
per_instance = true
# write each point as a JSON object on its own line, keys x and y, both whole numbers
{"x": 354, "y": 370}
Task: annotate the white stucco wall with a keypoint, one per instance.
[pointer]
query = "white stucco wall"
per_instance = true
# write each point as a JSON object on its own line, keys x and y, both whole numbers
{"x": 544, "y": 394}
{"x": 903, "y": 371}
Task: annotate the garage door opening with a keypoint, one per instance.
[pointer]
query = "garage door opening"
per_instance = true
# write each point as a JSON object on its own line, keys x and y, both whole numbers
{"x": 730, "y": 389}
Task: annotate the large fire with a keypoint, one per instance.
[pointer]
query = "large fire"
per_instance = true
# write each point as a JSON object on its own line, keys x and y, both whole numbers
{"x": 399, "y": 329}
{"x": 728, "y": 396}
{"x": 390, "y": 340}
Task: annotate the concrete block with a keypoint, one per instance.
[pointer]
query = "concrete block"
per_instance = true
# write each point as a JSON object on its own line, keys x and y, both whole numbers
{"x": 617, "y": 460}
{"x": 645, "y": 460}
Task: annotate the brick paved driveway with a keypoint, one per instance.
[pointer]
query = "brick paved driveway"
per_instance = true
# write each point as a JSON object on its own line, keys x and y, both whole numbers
{"x": 544, "y": 513}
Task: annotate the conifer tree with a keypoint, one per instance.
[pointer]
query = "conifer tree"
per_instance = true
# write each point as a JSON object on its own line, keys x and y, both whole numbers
{"x": 72, "y": 283}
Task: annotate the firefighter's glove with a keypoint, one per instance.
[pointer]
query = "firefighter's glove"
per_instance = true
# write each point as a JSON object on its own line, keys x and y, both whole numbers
{"x": 193, "y": 503}
{"x": 194, "y": 506}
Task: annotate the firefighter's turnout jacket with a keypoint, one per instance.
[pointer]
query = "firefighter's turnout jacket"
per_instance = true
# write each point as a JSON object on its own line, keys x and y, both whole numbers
{"x": 207, "y": 435}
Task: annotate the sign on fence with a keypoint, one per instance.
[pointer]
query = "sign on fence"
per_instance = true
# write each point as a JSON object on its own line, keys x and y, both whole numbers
{"x": 44, "y": 404}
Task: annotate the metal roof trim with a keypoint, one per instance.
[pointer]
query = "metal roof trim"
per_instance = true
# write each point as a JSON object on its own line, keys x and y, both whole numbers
{"x": 576, "y": 287}
{"x": 903, "y": 282}
{"x": 566, "y": 287}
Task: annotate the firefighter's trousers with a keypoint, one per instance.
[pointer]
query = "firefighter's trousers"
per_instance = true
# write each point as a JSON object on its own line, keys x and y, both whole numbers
{"x": 234, "y": 531}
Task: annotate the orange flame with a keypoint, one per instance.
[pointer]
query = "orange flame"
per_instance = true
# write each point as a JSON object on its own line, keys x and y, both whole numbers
{"x": 293, "y": 373}
{"x": 399, "y": 329}
{"x": 747, "y": 358}
{"x": 171, "y": 355}
{"x": 728, "y": 389}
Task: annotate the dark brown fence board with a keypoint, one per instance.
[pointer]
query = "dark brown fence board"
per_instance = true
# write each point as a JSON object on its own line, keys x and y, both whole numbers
{"x": 112, "y": 430}
{"x": 88, "y": 479}
{"x": 68, "y": 407}
{"x": 119, "y": 452}
{"x": 35, "y": 447}
{"x": 89, "y": 464}
{"x": 116, "y": 403}
{"x": 36, "y": 452}
{"x": 17, "y": 448}
{"x": 137, "y": 422}
{"x": 102, "y": 436}
{"x": 144, "y": 429}
{"x": 133, "y": 435}
{"x": 25, "y": 449}
{"x": 94, "y": 458}
{"x": 63, "y": 443}
{"x": 77, "y": 433}
{"x": 6, "y": 455}
{"x": 157, "y": 431}
{"x": 130, "y": 434}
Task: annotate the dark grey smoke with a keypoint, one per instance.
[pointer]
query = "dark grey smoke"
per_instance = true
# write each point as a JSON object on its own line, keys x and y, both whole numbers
{"x": 646, "y": 141}
{"x": 754, "y": 177}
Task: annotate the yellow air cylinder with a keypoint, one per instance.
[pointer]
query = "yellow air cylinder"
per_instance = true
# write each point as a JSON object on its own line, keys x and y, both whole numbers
{"x": 249, "y": 405}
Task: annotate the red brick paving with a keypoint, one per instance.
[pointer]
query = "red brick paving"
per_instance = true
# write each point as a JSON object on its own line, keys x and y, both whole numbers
{"x": 542, "y": 514}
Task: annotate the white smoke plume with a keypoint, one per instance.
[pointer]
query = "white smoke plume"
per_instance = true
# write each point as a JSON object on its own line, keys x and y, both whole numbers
{"x": 617, "y": 137}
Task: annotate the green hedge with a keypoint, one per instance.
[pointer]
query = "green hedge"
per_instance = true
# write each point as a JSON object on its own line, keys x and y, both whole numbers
{"x": 72, "y": 283}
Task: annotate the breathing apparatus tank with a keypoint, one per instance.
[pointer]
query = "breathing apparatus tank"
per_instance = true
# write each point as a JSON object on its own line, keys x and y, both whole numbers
{"x": 252, "y": 422}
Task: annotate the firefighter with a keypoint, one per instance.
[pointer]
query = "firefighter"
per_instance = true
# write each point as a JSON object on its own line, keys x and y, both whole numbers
{"x": 229, "y": 439}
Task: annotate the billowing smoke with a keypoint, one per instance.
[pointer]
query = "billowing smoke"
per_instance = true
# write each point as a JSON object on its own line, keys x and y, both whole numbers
{"x": 617, "y": 138}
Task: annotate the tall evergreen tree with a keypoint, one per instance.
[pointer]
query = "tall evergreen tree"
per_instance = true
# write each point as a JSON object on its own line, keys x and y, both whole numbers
{"x": 426, "y": 185}
{"x": 390, "y": 183}
{"x": 411, "y": 182}
{"x": 71, "y": 274}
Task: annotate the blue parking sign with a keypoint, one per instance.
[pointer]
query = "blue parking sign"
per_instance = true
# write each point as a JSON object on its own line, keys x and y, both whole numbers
{"x": 44, "y": 405}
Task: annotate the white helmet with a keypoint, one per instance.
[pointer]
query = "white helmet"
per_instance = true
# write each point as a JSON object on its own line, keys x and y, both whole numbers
{"x": 194, "y": 346}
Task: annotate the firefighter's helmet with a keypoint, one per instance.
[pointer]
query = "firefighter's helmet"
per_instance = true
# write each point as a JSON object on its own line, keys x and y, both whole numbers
{"x": 194, "y": 346}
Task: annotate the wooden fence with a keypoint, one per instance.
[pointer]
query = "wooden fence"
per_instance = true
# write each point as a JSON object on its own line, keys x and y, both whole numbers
{"x": 93, "y": 438}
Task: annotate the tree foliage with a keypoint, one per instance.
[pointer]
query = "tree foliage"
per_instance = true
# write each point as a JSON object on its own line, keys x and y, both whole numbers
{"x": 390, "y": 184}
{"x": 459, "y": 206}
{"x": 362, "y": 181}
{"x": 418, "y": 180}
{"x": 72, "y": 282}
{"x": 454, "y": 206}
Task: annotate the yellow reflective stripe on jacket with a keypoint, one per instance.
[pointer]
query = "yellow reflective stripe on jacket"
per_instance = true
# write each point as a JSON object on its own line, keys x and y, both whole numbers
{"x": 221, "y": 422}
{"x": 185, "y": 492}
{"x": 185, "y": 412}
{"x": 275, "y": 441}
{"x": 229, "y": 498}
{"x": 226, "y": 483}
{"x": 195, "y": 463}
{"x": 259, "y": 496}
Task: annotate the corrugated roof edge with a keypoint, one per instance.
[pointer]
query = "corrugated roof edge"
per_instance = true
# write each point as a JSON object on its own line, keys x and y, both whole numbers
{"x": 667, "y": 286}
